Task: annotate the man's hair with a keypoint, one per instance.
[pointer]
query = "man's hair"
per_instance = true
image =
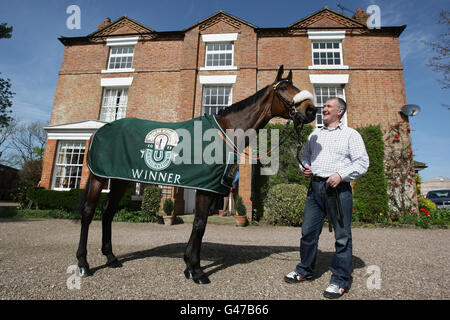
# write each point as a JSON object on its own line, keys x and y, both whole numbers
{"x": 341, "y": 104}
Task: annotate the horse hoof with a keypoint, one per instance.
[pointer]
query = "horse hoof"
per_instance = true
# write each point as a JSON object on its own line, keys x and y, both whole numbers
{"x": 114, "y": 264}
{"x": 188, "y": 274}
{"x": 202, "y": 280}
{"x": 84, "y": 272}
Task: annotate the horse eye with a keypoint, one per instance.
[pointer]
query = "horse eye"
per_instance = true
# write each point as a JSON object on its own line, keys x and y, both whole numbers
{"x": 283, "y": 88}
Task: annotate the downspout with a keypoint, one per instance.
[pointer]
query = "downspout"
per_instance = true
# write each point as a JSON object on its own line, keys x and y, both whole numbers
{"x": 196, "y": 74}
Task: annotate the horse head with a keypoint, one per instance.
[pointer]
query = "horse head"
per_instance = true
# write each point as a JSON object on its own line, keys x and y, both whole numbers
{"x": 292, "y": 103}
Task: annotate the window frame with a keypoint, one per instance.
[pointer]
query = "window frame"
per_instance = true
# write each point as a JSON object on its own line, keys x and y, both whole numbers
{"x": 216, "y": 105}
{"x": 103, "y": 106}
{"x": 220, "y": 38}
{"x": 120, "y": 42}
{"x": 327, "y": 50}
{"x": 120, "y": 56}
{"x": 327, "y": 36}
{"x": 82, "y": 153}
{"x": 214, "y": 52}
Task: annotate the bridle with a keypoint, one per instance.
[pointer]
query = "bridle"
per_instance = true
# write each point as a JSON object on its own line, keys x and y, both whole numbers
{"x": 295, "y": 116}
{"x": 290, "y": 106}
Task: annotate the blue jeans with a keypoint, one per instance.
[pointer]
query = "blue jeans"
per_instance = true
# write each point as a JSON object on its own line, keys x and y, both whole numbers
{"x": 313, "y": 219}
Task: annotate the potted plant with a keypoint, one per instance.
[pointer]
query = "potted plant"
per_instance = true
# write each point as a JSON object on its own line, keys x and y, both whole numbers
{"x": 168, "y": 207}
{"x": 241, "y": 213}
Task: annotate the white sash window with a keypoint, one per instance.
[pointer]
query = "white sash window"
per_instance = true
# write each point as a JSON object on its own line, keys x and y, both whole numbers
{"x": 219, "y": 54}
{"x": 69, "y": 164}
{"x": 327, "y": 53}
{"x": 120, "y": 58}
{"x": 216, "y": 98}
{"x": 114, "y": 104}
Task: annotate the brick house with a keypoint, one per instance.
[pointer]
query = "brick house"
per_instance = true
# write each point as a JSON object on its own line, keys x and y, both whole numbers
{"x": 127, "y": 69}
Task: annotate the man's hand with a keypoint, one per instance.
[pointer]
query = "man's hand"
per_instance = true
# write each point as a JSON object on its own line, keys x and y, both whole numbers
{"x": 307, "y": 172}
{"x": 334, "y": 180}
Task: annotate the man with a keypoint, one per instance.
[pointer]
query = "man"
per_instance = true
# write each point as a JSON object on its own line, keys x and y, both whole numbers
{"x": 334, "y": 155}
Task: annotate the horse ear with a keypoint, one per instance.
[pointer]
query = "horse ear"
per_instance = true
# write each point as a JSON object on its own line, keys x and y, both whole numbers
{"x": 290, "y": 76}
{"x": 280, "y": 73}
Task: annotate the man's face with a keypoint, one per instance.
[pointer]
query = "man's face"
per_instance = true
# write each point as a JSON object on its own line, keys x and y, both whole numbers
{"x": 330, "y": 111}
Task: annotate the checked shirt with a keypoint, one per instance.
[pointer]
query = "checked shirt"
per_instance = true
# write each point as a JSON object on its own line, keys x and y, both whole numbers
{"x": 340, "y": 150}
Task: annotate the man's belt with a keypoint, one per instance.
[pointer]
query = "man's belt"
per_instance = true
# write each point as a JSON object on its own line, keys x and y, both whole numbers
{"x": 339, "y": 211}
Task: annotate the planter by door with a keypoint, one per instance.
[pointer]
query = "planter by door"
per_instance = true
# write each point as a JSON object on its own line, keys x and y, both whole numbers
{"x": 241, "y": 221}
{"x": 168, "y": 220}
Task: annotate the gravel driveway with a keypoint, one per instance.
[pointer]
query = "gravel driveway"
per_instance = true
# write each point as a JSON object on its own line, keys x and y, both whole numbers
{"x": 242, "y": 263}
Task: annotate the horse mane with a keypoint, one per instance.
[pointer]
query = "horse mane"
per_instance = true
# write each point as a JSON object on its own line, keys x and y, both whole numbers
{"x": 241, "y": 105}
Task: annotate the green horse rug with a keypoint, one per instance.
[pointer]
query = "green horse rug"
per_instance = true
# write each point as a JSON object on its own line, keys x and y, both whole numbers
{"x": 190, "y": 154}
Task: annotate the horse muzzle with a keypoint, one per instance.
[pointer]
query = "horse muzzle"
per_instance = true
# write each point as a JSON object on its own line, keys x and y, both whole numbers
{"x": 310, "y": 113}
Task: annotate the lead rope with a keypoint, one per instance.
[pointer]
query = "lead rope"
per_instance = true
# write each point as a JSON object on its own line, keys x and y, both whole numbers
{"x": 245, "y": 154}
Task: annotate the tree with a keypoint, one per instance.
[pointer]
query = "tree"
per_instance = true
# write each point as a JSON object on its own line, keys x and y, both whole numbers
{"x": 5, "y": 85}
{"x": 5, "y": 102}
{"x": 5, "y": 31}
{"x": 31, "y": 172}
{"x": 440, "y": 62}
{"x": 28, "y": 142}
{"x": 6, "y": 134}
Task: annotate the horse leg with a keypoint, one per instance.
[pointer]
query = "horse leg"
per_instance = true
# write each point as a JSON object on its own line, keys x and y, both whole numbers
{"x": 87, "y": 206}
{"x": 109, "y": 209}
{"x": 203, "y": 203}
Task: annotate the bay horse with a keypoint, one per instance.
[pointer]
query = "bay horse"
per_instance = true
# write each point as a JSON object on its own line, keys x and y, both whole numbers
{"x": 281, "y": 99}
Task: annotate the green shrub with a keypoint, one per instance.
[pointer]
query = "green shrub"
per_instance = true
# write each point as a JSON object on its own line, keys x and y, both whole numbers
{"x": 133, "y": 216}
{"x": 168, "y": 207}
{"x": 440, "y": 218}
{"x": 288, "y": 171}
{"x": 284, "y": 204}
{"x": 51, "y": 199}
{"x": 151, "y": 201}
{"x": 240, "y": 207}
{"x": 426, "y": 204}
{"x": 69, "y": 200}
{"x": 370, "y": 190}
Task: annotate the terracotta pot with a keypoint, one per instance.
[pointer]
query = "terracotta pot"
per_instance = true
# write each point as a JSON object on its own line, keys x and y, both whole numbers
{"x": 241, "y": 221}
{"x": 168, "y": 220}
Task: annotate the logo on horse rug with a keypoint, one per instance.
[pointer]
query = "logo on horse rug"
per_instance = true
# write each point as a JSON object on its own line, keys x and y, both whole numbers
{"x": 161, "y": 142}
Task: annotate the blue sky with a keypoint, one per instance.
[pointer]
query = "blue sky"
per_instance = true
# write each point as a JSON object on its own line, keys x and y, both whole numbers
{"x": 32, "y": 58}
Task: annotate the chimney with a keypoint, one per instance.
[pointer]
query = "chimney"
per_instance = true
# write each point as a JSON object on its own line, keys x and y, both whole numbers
{"x": 104, "y": 23}
{"x": 361, "y": 16}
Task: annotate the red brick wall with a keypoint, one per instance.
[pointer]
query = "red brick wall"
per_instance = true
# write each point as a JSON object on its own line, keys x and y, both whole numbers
{"x": 47, "y": 163}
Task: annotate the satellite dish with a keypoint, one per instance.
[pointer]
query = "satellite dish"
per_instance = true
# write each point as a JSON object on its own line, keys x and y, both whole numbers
{"x": 410, "y": 110}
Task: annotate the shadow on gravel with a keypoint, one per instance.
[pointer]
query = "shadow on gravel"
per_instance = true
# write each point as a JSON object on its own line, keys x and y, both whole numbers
{"x": 227, "y": 255}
